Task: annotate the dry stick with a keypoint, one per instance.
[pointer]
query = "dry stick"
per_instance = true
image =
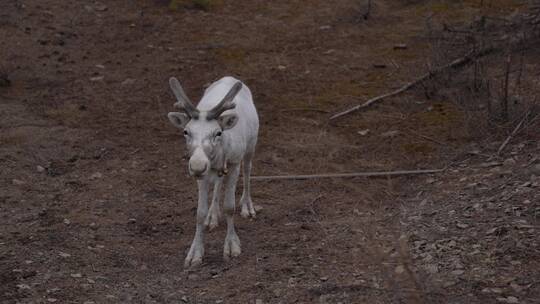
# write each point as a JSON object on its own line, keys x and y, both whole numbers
{"x": 454, "y": 64}
{"x": 516, "y": 129}
{"x": 303, "y": 109}
{"x": 428, "y": 138}
{"x": 506, "y": 88}
{"x": 368, "y": 12}
{"x": 354, "y": 174}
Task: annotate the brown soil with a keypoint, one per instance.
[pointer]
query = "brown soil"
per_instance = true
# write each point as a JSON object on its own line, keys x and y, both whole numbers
{"x": 109, "y": 213}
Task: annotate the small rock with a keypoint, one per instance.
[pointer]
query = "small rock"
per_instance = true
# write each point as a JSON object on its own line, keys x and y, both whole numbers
{"x": 281, "y": 67}
{"x": 93, "y": 226}
{"x": 471, "y": 185}
{"x": 462, "y": 225}
{"x": 40, "y": 169}
{"x": 516, "y": 287}
{"x": 17, "y": 182}
{"x": 67, "y": 221}
{"x": 490, "y": 164}
{"x": 96, "y": 175}
{"x": 52, "y": 300}
{"x": 259, "y": 301}
{"x": 258, "y": 208}
{"x": 96, "y": 78}
{"x": 324, "y": 279}
{"x": 132, "y": 221}
{"x": 76, "y": 275}
{"x": 535, "y": 169}
{"x": 64, "y": 255}
{"x": 432, "y": 268}
{"x": 184, "y": 299}
{"x": 400, "y": 46}
{"x": 512, "y": 299}
{"x": 128, "y": 81}
{"x": 325, "y": 27}
{"x": 509, "y": 162}
{"x": 100, "y": 7}
{"x": 458, "y": 272}
{"x": 526, "y": 184}
{"x": 23, "y": 286}
{"x": 100, "y": 66}
{"x": 400, "y": 269}
{"x": 363, "y": 132}
{"x": 393, "y": 133}
{"x": 491, "y": 231}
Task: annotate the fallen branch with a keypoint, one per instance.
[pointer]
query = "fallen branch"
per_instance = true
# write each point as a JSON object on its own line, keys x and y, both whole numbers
{"x": 516, "y": 129}
{"x": 354, "y": 174}
{"x": 304, "y": 110}
{"x": 368, "y": 11}
{"x": 428, "y": 138}
{"x": 454, "y": 64}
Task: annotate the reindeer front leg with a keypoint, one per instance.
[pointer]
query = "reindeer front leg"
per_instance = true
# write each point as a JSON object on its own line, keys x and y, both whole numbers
{"x": 196, "y": 252}
{"x": 232, "y": 242}
{"x": 214, "y": 213}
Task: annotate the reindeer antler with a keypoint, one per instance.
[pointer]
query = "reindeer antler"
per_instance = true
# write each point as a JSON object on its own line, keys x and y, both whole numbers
{"x": 183, "y": 101}
{"x": 226, "y": 103}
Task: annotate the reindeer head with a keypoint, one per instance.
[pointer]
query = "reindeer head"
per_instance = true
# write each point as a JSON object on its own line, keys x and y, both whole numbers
{"x": 203, "y": 130}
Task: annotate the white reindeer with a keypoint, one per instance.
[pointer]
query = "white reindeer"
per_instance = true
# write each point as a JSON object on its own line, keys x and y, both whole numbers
{"x": 220, "y": 133}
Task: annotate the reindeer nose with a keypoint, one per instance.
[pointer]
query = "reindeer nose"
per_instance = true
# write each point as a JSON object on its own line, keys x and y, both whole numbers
{"x": 197, "y": 169}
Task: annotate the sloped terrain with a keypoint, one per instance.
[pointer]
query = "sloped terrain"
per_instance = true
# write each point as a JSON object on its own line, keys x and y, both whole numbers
{"x": 96, "y": 205}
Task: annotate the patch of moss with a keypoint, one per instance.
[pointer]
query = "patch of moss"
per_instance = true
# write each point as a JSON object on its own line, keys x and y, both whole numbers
{"x": 336, "y": 92}
{"x": 66, "y": 114}
{"x": 414, "y": 148}
{"x": 205, "y": 5}
{"x": 441, "y": 115}
{"x": 8, "y": 139}
{"x": 230, "y": 55}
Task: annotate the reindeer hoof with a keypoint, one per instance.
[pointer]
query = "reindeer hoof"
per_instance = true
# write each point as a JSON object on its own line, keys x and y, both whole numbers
{"x": 194, "y": 256}
{"x": 231, "y": 248}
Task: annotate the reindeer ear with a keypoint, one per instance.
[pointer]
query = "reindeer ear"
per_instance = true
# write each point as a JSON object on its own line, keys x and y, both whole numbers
{"x": 227, "y": 121}
{"x": 178, "y": 119}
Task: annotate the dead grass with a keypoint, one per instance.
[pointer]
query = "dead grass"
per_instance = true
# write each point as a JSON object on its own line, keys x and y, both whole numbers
{"x": 205, "y": 5}
{"x": 67, "y": 114}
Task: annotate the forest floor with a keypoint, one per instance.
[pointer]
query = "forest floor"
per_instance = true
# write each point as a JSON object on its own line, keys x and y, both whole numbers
{"x": 96, "y": 205}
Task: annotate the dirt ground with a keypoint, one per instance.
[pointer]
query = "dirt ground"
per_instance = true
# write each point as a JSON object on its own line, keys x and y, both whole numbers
{"x": 96, "y": 205}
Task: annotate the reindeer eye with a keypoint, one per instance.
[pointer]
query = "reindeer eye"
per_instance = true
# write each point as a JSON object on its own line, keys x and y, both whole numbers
{"x": 186, "y": 133}
{"x": 218, "y": 133}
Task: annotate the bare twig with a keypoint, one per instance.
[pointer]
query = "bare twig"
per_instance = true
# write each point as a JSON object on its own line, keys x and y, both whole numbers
{"x": 354, "y": 174}
{"x": 454, "y": 64}
{"x": 405, "y": 260}
{"x": 506, "y": 88}
{"x": 368, "y": 11}
{"x": 428, "y": 138}
{"x": 312, "y": 206}
{"x": 304, "y": 110}
{"x": 516, "y": 129}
